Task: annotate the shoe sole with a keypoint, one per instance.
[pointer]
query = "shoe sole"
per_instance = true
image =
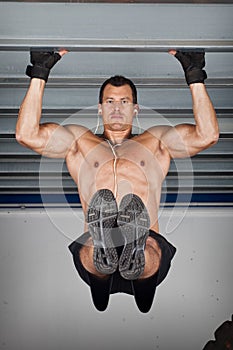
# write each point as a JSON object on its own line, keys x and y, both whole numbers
{"x": 134, "y": 222}
{"x": 101, "y": 218}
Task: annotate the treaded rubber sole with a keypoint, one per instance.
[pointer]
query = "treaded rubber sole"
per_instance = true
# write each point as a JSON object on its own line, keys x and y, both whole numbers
{"x": 134, "y": 222}
{"x": 101, "y": 217}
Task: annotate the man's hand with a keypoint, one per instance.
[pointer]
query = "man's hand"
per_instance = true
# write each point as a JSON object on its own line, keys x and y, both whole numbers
{"x": 192, "y": 63}
{"x": 42, "y": 62}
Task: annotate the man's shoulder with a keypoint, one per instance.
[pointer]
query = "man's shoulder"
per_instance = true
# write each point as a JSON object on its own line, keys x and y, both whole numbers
{"x": 153, "y": 139}
{"x": 76, "y": 130}
{"x": 158, "y": 131}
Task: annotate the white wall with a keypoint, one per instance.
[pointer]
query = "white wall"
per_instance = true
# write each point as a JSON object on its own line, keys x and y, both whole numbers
{"x": 45, "y": 305}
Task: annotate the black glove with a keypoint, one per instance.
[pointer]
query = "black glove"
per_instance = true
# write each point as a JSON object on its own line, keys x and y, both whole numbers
{"x": 192, "y": 63}
{"x": 42, "y": 62}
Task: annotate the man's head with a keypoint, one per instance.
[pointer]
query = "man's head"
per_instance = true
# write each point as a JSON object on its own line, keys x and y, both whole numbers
{"x": 118, "y": 103}
{"x": 118, "y": 80}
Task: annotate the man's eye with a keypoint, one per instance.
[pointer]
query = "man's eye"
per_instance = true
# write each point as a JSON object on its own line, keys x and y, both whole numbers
{"x": 124, "y": 102}
{"x": 109, "y": 102}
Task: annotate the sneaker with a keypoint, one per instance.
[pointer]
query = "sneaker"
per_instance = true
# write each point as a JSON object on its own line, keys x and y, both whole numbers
{"x": 134, "y": 222}
{"x": 101, "y": 218}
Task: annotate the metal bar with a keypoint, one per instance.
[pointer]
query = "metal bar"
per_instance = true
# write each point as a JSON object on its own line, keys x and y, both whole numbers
{"x": 10, "y": 146}
{"x": 23, "y": 200}
{"x": 114, "y": 45}
{"x": 135, "y": 1}
{"x": 73, "y": 190}
{"x": 6, "y": 82}
{"x": 13, "y": 112}
{"x": 17, "y": 167}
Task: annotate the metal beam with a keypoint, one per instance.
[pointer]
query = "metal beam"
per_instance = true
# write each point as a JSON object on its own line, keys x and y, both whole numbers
{"x": 133, "y": 1}
{"x": 114, "y": 45}
{"x": 6, "y": 82}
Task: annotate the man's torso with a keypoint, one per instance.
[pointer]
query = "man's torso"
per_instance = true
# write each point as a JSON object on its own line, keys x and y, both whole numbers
{"x": 138, "y": 165}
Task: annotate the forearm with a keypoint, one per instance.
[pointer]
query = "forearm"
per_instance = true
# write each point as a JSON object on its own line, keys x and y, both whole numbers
{"x": 205, "y": 117}
{"x": 186, "y": 140}
{"x": 28, "y": 122}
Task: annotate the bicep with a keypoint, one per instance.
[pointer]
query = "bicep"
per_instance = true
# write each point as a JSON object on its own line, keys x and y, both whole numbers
{"x": 54, "y": 140}
{"x": 180, "y": 141}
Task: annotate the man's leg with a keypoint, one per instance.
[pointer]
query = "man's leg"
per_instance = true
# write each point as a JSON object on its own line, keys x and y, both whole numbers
{"x": 100, "y": 284}
{"x": 141, "y": 254}
{"x": 134, "y": 222}
{"x": 145, "y": 258}
{"x": 143, "y": 288}
{"x": 101, "y": 218}
{"x": 152, "y": 259}
{"x": 86, "y": 257}
{"x": 158, "y": 255}
{"x": 146, "y": 255}
{"x": 99, "y": 256}
{"x": 160, "y": 252}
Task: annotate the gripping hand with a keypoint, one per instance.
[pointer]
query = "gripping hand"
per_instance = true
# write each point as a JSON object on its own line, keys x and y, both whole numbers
{"x": 42, "y": 62}
{"x": 192, "y": 63}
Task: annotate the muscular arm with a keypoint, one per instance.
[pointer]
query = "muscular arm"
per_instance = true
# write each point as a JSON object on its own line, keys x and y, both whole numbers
{"x": 51, "y": 140}
{"x": 186, "y": 140}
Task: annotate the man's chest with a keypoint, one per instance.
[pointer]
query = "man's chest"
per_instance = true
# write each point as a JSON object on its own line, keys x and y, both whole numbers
{"x": 129, "y": 159}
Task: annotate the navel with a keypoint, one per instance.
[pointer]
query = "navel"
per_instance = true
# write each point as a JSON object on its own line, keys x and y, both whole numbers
{"x": 142, "y": 163}
{"x": 96, "y": 164}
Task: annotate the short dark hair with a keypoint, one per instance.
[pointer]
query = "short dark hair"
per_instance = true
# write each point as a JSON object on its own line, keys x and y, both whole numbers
{"x": 118, "y": 80}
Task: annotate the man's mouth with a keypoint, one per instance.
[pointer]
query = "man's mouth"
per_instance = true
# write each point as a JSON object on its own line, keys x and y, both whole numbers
{"x": 116, "y": 116}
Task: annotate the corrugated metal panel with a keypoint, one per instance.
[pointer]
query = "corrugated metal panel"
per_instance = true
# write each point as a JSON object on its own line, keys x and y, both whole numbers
{"x": 108, "y": 39}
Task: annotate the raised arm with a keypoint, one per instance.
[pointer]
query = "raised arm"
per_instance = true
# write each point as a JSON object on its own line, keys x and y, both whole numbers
{"x": 186, "y": 140}
{"x": 50, "y": 139}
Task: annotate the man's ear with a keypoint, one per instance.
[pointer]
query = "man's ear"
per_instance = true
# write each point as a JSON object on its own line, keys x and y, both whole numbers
{"x": 99, "y": 109}
{"x": 136, "y": 109}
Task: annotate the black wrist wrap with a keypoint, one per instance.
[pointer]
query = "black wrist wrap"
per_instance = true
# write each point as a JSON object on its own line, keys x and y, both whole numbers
{"x": 196, "y": 75}
{"x": 42, "y": 63}
{"x": 38, "y": 72}
{"x": 193, "y": 63}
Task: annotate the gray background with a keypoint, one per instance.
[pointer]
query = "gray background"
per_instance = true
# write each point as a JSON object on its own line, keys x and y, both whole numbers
{"x": 43, "y": 302}
{"x": 45, "y": 305}
{"x": 114, "y": 38}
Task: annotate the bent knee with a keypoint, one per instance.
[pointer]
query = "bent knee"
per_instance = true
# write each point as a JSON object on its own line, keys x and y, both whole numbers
{"x": 152, "y": 243}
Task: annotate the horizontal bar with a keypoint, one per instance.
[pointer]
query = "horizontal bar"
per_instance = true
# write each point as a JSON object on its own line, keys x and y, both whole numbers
{"x": 134, "y": 1}
{"x": 37, "y": 158}
{"x": 6, "y": 82}
{"x": 44, "y": 175}
{"x": 115, "y": 45}
{"x": 73, "y": 190}
{"x": 8, "y": 123}
{"x": 11, "y": 146}
{"x": 27, "y": 200}
{"x": 64, "y": 182}
{"x": 153, "y": 99}
{"x": 15, "y": 167}
{"x": 66, "y": 112}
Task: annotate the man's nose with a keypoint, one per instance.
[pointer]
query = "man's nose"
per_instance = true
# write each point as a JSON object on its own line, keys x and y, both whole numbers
{"x": 117, "y": 105}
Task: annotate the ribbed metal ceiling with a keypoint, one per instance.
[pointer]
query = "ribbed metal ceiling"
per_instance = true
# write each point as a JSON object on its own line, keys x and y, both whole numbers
{"x": 108, "y": 39}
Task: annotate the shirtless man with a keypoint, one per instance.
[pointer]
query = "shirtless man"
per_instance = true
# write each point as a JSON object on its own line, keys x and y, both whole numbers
{"x": 119, "y": 176}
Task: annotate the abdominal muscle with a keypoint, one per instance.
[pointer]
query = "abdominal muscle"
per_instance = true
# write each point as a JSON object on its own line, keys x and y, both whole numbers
{"x": 133, "y": 170}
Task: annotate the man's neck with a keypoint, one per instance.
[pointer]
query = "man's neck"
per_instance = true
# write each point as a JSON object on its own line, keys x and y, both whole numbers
{"x": 117, "y": 137}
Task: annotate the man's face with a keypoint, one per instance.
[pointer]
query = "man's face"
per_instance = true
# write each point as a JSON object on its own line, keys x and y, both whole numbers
{"x": 117, "y": 108}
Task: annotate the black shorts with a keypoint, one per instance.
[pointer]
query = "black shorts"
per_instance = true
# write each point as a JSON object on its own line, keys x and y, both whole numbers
{"x": 141, "y": 289}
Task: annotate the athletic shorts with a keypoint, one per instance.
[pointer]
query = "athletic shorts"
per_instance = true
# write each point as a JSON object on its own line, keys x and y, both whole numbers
{"x": 142, "y": 289}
